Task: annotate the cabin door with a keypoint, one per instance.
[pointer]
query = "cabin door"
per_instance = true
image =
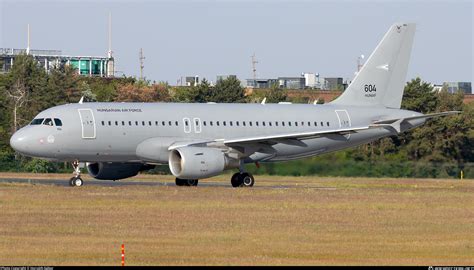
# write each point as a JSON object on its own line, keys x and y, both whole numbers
{"x": 87, "y": 123}
{"x": 344, "y": 121}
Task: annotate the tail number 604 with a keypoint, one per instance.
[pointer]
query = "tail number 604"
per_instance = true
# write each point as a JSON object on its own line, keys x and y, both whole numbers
{"x": 370, "y": 88}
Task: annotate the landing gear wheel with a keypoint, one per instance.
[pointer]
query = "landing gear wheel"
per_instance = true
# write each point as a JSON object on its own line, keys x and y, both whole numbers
{"x": 242, "y": 180}
{"x": 247, "y": 180}
{"x": 179, "y": 182}
{"x": 186, "y": 182}
{"x": 78, "y": 182}
{"x": 235, "y": 180}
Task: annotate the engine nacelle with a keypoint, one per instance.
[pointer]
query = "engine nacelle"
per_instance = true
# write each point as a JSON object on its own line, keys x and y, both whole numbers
{"x": 199, "y": 162}
{"x": 115, "y": 171}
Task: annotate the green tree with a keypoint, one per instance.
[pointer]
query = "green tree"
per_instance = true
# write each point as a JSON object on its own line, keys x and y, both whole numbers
{"x": 228, "y": 90}
{"x": 418, "y": 96}
{"x": 276, "y": 94}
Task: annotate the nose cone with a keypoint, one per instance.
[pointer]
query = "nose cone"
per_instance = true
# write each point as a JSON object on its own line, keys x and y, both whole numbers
{"x": 19, "y": 141}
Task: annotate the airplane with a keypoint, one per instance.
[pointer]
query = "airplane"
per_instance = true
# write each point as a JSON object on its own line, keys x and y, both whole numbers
{"x": 200, "y": 140}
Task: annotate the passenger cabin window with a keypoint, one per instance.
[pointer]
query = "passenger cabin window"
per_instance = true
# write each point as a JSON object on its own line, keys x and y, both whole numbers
{"x": 37, "y": 121}
{"x": 327, "y": 123}
{"x": 103, "y": 123}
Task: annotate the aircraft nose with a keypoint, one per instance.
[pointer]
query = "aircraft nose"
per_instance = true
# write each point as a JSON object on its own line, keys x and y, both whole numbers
{"x": 18, "y": 141}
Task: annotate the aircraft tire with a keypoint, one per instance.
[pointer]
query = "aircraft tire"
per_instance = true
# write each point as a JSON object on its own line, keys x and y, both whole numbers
{"x": 192, "y": 182}
{"x": 186, "y": 182}
{"x": 78, "y": 182}
{"x": 247, "y": 180}
{"x": 236, "y": 180}
{"x": 180, "y": 182}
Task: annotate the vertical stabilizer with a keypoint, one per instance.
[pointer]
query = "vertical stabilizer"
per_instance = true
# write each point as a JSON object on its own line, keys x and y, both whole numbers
{"x": 382, "y": 78}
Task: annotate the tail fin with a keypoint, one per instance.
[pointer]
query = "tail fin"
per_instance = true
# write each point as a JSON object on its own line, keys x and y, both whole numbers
{"x": 382, "y": 78}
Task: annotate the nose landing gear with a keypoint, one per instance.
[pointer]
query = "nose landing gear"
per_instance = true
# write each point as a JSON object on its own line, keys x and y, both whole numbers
{"x": 76, "y": 180}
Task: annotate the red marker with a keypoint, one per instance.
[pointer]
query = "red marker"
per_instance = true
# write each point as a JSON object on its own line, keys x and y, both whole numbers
{"x": 123, "y": 255}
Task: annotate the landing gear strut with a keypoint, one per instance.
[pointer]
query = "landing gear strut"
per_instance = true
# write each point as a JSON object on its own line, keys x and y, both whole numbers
{"x": 242, "y": 179}
{"x": 76, "y": 180}
{"x": 186, "y": 182}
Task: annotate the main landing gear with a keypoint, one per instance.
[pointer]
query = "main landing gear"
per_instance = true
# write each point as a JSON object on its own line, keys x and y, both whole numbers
{"x": 242, "y": 179}
{"x": 186, "y": 182}
{"x": 76, "y": 180}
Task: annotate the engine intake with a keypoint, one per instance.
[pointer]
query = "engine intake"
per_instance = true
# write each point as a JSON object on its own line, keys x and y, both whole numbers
{"x": 199, "y": 162}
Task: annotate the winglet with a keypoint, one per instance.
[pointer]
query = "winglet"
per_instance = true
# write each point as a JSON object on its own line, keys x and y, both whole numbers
{"x": 264, "y": 100}
{"x": 81, "y": 100}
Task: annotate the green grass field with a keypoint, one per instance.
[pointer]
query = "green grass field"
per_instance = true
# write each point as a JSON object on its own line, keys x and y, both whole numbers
{"x": 311, "y": 221}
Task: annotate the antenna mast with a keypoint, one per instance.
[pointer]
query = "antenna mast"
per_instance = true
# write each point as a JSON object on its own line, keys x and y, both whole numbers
{"x": 109, "y": 53}
{"x": 141, "y": 57}
{"x": 254, "y": 67}
{"x": 28, "y": 45}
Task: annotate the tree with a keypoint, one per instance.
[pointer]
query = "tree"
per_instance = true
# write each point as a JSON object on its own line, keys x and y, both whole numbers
{"x": 26, "y": 87}
{"x": 228, "y": 90}
{"x": 63, "y": 85}
{"x": 276, "y": 94}
{"x": 86, "y": 92}
{"x": 418, "y": 96}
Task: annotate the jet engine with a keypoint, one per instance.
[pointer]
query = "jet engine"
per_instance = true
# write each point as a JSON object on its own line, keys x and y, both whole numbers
{"x": 115, "y": 171}
{"x": 199, "y": 162}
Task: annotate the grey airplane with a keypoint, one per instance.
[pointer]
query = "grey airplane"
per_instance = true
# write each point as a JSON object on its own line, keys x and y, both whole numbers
{"x": 118, "y": 140}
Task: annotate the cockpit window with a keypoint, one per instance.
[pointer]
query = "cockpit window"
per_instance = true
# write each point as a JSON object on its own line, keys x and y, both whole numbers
{"x": 37, "y": 121}
{"x": 58, "y": 122}
{"x": 48, "y": 122}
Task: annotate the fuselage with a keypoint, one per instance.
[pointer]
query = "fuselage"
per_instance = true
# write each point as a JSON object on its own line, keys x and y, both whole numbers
{"x": 111, "y": 132}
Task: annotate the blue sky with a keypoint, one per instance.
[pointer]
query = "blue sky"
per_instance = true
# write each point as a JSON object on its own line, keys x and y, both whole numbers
{"x": 209, "y": 38}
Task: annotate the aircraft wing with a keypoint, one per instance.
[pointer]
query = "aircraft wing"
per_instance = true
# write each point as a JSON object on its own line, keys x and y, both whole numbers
{"x": 271, "y": 138}
{"x": 397, "y": 122}
{"x": 294, "y": 136}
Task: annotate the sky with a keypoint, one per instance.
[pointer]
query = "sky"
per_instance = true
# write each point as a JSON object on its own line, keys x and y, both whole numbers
{"x": 210, "y": 38}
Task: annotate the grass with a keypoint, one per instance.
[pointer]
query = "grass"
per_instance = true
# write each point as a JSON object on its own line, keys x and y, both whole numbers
{"x": 309, "y": 221}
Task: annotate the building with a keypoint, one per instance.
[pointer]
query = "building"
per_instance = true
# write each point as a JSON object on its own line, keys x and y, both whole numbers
{"x": 334, "y": 83}
{"x": 261, "y": 83}
{"x": 310, "y": 80}
{"x": 291, "y": 82}
{"x": 224, "y": 77}
{"x": 454, "y": 87}
{"x": 191, "y": 80}
{"x": 49, "y": 59}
